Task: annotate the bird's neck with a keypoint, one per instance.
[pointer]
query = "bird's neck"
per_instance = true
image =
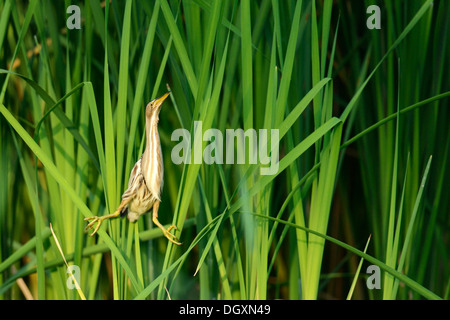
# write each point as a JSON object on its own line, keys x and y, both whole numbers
{"x": 152, "y": 136}
{"x": 151, "y": 161}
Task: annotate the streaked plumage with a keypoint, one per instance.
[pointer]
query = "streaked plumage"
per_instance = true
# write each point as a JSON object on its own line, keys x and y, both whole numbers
{"x": 146, "y": 179}
{"x": 138, "y": 196}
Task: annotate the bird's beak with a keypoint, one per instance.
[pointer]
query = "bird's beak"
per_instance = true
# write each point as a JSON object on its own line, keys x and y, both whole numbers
{"x": 159, "y": 101}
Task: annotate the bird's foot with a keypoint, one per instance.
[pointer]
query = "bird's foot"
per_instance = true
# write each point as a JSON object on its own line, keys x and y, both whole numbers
{"x": 99, "y": 221}
{"x": 91, "y": 224}
{"x": 170, "y": 236}
{"x": 94, "y": 219}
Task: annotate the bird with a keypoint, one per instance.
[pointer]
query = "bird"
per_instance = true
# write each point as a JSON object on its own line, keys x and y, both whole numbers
{"x": 146, "y": 179}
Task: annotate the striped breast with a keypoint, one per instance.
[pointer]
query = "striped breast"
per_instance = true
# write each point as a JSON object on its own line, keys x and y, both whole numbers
{"x": 152, "y": 166}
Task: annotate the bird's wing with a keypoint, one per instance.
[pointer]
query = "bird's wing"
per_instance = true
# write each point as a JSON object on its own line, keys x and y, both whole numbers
{"x": 134, "y": 173}
{"x": 134, "y": 181}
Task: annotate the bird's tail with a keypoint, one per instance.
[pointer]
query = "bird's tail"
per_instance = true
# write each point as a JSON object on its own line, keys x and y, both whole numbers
{"x": 124, "y": 212}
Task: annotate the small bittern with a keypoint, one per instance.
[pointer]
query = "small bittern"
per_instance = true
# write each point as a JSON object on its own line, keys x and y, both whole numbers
{"x": 146, "y": 178}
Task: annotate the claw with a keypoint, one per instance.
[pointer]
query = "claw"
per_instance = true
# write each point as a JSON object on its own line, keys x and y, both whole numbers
{"x": 171, "y": 237}
{"x": 91, "y": 224}
{"x": 172, "y": 227}
{"x": 100, "y": 220}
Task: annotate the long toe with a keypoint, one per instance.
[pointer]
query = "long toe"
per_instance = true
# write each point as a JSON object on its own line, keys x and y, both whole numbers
{"x": 96, "y": 228}
{"x": 90, "y": 225}
{"x": 172, "y": 238}
{"x": 172, "y": 227}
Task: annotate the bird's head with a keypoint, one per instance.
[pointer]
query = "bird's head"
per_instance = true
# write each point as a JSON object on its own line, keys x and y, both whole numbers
{"x": 154, "y": 106}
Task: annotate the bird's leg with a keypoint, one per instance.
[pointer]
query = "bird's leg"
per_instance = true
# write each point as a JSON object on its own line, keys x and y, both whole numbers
{"x": 171, "y": 237}
{"x": 100, "y": 219}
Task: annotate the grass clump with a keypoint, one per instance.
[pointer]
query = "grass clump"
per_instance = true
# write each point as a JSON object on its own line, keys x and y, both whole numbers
{"x": 363, "y": 142}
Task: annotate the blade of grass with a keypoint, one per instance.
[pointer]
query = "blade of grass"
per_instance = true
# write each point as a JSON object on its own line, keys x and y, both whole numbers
{"x": 26, "y": 22}
{"x": 358, "y": 270}
{"x": 394, "y": 116}
{"x": 38, "y": 222}
{"x": 300, "y": 107}
{"x": 246, "y": 61}
{"x": 180, "y": 47}
{"x": 287, "y": 67}
{"x": 77, "y": 285}
{"x": 217, "y": 250}
{"x": 123, "y": 91}
{"x": 4, "y": 19}
{"x": 391, "y": 255}
{"x": 409, "y": 231}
